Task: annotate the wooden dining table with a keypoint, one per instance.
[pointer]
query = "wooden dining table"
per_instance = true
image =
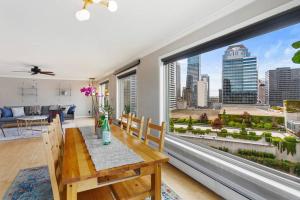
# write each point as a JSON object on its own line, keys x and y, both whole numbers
{"x": 79, "y": 173}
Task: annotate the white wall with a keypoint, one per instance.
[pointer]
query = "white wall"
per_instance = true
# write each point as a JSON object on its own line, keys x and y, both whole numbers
{"x": 10, "y": 93}
{"x": 148, "y": 72}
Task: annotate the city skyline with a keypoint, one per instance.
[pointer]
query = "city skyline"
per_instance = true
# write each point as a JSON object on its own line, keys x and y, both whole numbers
{"x": 273, "y": 50}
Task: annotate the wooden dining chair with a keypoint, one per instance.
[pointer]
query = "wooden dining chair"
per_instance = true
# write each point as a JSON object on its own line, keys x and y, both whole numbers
{"x": 59, "y": 131}
{"x": 126, "y": 121}
{"x": 160, "y": 130}
{"x": 54, "y": 166}
{"x": 136, "y": 126}
{"x": 140, "y": 188}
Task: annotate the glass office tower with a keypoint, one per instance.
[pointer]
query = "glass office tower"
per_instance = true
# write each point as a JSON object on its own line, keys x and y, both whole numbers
{"x": 239, "y": 76}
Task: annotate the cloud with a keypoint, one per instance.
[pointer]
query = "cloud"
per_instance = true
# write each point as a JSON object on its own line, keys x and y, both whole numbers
{"x": 289, "y": 51}
{"x": 273, "y": 49}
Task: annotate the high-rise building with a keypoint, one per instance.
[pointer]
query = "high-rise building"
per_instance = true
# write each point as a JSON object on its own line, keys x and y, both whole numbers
{"x": 282, "y": 84}
{"x": 205, "y": 77}
{"x": 220, "y": 96}
{"x": 172, "y": 85}
{"x": 202, "y": 91}
{"x": 193, "y": 75}
{"x": 178, "y": 82}
{"x": 239, "y": 76}
{"x": 261, "y": 97}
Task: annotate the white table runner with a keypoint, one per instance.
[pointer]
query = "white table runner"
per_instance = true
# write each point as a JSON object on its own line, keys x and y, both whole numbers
{"x": 108, "y": 156}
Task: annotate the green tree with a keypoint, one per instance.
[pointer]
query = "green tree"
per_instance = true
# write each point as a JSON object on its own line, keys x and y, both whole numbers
{"x": 224, "y": 117}
{"x": 171, "y": 125}
{"x": 190, "y": 123}
{"x": 296, "y": 57}
{"x": 243, "y": 128}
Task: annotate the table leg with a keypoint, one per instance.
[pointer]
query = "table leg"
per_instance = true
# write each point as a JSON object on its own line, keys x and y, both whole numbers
{"x": 71, "y": 192}
{"x": 156, "y": 182}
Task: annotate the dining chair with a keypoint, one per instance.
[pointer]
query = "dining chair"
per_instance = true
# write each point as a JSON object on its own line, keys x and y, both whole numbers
{"x": 160, "y": 130}
{"x": 136, "y": 126}
{"x": 54, "y": 167}
{"x": 59, "y": 131}
{"x": 140, "y": 188}
{"x": 126, "y": 121}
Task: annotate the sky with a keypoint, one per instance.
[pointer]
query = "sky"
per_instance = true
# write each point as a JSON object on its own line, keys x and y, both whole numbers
{"x": 272, "y": 50}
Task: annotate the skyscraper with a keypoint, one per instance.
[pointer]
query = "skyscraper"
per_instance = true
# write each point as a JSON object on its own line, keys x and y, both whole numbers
{"x": 239, "y": 76}
{"x": 205, "y": 77}
{"x": 193, "y": 75}
{"x": 202, "y": 91}
{"x": 282, "y": 84}
{"x": 172, "y": 85}
{"x": 261, "y": 98}
{"x": 178, "y": 82}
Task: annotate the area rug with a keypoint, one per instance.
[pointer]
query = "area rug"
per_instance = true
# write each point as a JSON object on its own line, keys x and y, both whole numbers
{"x": 34, "y": 184}
{"x": 13, "y": 134}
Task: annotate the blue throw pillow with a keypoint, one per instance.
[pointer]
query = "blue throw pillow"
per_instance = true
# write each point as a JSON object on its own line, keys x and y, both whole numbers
{"x": 6, "y": 112}
{"x": 71, "y": 110}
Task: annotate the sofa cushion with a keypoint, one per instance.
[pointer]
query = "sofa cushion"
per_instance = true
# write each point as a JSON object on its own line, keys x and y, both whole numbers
{"x": 45, "y": 110}
{"x": 0, "y": 112}
{"x": 8, "y": 119}
{"x": 35, "y": 110}
{"x": 27, "y": 110}
{"x": 6, "y": 112}
{"x": 18, "y": 111}
{"x": 71, "y": 110}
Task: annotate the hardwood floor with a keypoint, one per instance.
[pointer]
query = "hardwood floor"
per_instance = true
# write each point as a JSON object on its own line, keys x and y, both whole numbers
{"x": 27, "y": 153}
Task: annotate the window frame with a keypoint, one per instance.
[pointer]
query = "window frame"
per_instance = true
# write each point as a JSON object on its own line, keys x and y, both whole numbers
{"x": 119, "y": 77}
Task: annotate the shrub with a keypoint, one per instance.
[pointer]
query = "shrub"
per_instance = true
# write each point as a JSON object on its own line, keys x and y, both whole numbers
{"x": 217, "y": 124}
{"x": 268, "y": 136}
{"x": 181, "y": 120}
{"x": 252, "y": 133}
{"x": 247, "y": 152}
{"x": 180, "y": 130}
{"x": 198, "y": 131}
{"x": 190, "y": 123}
{"x": 224, "y": 149}
{"x": 268, "y": 126}
{"x": 204, "y": 118}
{"x": 171, "y": 125}
{"x": 207, "y": 131}
{"x": 231, "y": 123}
{"x": 223, "y": 130}
{"x": 297, "y": 169}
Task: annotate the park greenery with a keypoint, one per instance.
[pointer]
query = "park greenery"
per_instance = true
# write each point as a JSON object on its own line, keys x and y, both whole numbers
{"x": 296, "y": 57}
{"x": 267, "y": 159}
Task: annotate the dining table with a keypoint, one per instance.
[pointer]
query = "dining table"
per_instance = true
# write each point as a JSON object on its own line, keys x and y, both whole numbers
{"x": 79, "y": 173}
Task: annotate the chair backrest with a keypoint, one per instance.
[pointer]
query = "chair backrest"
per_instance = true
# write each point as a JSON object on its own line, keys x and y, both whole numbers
{"x": 59, "y": 132}
{"x": 126, "y": 121}
{"x": 160, "y": 129}
{"x": 136, "y": 126}
{"x": 52, "y": 160}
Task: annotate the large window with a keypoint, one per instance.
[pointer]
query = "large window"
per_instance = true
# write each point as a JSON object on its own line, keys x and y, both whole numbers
{"x": 104, "y": 93}
{"x": 127, "y": 98}
{"x": 243, "y": 99}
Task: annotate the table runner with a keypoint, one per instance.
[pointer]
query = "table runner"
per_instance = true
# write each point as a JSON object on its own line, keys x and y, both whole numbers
{"x": 108, "y": 156}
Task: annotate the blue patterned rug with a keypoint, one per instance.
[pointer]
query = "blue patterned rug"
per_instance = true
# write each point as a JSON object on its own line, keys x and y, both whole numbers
{"x": 34, "y": 184}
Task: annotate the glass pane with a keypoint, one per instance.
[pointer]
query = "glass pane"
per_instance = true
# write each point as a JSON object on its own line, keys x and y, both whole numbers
{"x": 243, "y": 99}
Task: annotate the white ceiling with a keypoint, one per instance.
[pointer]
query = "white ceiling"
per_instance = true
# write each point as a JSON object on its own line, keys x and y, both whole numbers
{"x": 46, "y": 33}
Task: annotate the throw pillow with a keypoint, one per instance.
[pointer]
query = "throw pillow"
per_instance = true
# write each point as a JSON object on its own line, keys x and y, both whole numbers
{"x": 6, "y": 112}
{"x": 67, "y": 107}
{"x": 71, "y": 110}
{"x": 45, "y": 110}
{"x": 18, "y": 111}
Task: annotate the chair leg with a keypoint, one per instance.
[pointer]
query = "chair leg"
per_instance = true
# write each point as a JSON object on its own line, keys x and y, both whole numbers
{"x": 2, "y": 131}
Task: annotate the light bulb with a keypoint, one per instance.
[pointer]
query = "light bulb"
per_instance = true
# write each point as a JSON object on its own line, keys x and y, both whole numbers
{"x": 97, "y": 1}
{"x": 112, "y": 6}
{"x": 83, "y": 15}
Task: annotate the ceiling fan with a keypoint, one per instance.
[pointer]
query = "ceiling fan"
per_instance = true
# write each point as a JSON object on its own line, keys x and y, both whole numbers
{"x": 36, "y": 70}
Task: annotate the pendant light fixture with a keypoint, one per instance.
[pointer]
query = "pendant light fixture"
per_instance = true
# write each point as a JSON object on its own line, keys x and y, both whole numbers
{"x": 84, "y": 14}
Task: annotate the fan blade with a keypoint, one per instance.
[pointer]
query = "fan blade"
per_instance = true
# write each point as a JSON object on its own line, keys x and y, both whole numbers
{"x": 47, "y": 72}
{"x": 51, "y": 74}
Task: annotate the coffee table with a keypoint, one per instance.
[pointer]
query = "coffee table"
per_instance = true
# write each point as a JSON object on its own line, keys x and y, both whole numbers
{"x": 29, "y": 121}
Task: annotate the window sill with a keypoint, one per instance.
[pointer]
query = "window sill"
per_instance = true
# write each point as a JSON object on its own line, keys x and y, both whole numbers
{"x": 240, "y": 176}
